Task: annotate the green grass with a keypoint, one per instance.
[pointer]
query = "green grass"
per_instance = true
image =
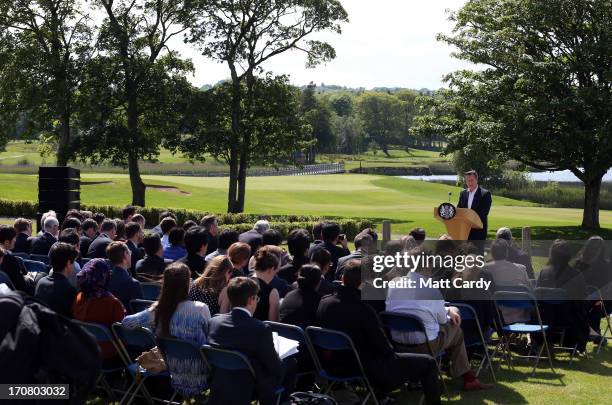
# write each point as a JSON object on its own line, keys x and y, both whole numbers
{"x": 406, "y": 203}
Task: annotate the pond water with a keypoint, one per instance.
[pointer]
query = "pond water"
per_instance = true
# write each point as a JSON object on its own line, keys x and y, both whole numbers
{"x": 561, "y": 176}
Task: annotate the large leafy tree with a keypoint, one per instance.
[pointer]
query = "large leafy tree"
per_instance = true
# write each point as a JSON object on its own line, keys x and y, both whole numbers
{"x": 44, "y": 45}
{"x": 135, "y": 84}
{"x": 244, "y": 35}
{"x": 543, "y": 95}
{"x": 381, "y": 115}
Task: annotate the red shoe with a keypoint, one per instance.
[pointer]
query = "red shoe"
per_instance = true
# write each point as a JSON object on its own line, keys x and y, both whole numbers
{"x": 476, "y": 385}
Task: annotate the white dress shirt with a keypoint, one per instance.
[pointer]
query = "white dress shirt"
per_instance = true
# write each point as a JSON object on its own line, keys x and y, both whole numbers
{"x": 471, "y": 195}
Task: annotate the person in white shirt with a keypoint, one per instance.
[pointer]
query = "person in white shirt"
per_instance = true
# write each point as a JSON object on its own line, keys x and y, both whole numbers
{"x": 478, "y": 199}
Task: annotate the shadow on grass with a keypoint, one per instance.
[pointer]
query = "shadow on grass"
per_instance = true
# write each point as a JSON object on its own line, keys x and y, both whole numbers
{"x": 564, "y": 232}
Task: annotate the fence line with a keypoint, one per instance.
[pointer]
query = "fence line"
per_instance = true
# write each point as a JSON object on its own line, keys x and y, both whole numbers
{"x": 321, "y": 168}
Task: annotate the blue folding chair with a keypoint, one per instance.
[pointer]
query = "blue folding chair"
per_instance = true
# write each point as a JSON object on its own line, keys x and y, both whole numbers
{"x": 469, "y": 315}
{"x": 150, "y": 291}
{"x": 594, "y": 294}
{"x": 296, "y": 333}
{"x": 405, "y": 323}
{"x": 140, "y": 305}
{"x": 183, "y": 358}
{"x": 34, "y": 266}
{"x": 521, "y": 300}
{"x": 23, "y": 255}
{"x": 131, "y": 343}
{"x": 553, "y": 301}
{"x": 231, "y": 360}
{"x": 335, "y": 341}
{"x": 103, "y": 336}
{"x": 40, "y": 258}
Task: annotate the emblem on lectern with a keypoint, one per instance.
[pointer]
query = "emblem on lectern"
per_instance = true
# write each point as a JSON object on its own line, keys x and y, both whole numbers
{"x": 447, "y": 211}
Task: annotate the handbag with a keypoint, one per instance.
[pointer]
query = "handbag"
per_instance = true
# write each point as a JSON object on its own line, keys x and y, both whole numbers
{"x": 152, "y": 361}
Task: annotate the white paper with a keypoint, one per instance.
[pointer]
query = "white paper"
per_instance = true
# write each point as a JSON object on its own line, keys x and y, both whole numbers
{"x": 284, "y": 347}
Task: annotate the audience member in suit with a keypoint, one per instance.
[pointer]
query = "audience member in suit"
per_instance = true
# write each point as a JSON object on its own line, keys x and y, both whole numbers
{"x": 322, "y": 258}
{"x": 108, "y": 232}
{"x": 167, "y": 224}
{"x": 4, "y": 278}
{"x": 226, "y": 238}
{"x": 120, "y": 234}
{"x": 23, "y": 227}
{"x": 239, "y": 253}
{"x": 266, "y": 266}
{"x": 515, "y": 255}
{"x": 346, "y": 312}
{"x": 559, "y": 274}
{"x": 298, "y": 242}
{"x": 196, "y": 239}
{"x": 96, "y": 304}
{"x": 254, "y": 237}
{"x": 228, "y": 331}
{"x": 140, "y": 220}
{"x": 335, "y": 243}
{"x": 164, "y": 214}
{"x": 153, "y": 264}
{"x": 176, "y": 244}
{"x": 478, "y": 199}
{"x": 73, "y": 223}
{"x": 12, "y": 265}
{"x": 134, "y": 235}
{"x": 128, "y": 213}
{"x": 55, "y": 290}
{"x": 274, "y": 238}
{"x": 41, "y": 244}
{"x": 122, "y": 284}
{"x": 176, "y": 316}
{"x": 299, "y": 307}
{"x": 364, "y": 244}
{"x": 418, "y": 234}
{"x": 71, "y": 237}
{"x": 89, "y": 228}
{"x": 317, "y": 235}
{"x": 211, "y": 225}
{"x": 209, "y": 288}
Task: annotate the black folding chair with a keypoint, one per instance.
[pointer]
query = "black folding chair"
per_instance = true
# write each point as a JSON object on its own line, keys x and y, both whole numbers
{"x": 553, "y": 302}
{"x": 594, "y": 294}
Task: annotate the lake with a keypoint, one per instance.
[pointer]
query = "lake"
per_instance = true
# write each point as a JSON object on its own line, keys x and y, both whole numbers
{"x": 560, "y": 176}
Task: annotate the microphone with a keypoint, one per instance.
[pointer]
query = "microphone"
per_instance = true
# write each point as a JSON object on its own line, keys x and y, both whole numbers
{"x": 449, "y": 196}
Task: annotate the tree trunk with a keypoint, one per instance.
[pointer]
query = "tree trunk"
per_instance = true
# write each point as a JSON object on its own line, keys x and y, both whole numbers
{"x": 245, "y": 145}
{"x": 590, "y": 214}
{"x": 232, "y": 203}
{"x": 138, "y": 186}
{"x": 64, "y": 140}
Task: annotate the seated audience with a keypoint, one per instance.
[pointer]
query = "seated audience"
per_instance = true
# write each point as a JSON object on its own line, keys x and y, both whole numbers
{"x": 277, "y": 283}
{"x": 266, "y": 265}
{"x": 166, "y": 225}
{"x": 174, "y": 315}
{"x": 163, "y": 215}
{"x": 108, "y": 232}
{"x": 12, "y": 265}
{"x": 4, "y": 278}
{"x": 122, "y": 285}
{"x": 273, "y": 237}
{"x": 239, "y": 253}
{"x": 72, "y": 222}
{"x": 418, "y": 234}
{"x": 176, "y": 244}
{"x": 442, "y": 326}
{"x": 364, "y": 244}
{"x": 335, "y": 243}
{"x": 317, "y": 236}
{"x": 189, "y": 224}
{"x": 41, "y": 244}
{"x": 23, "y": 227}
{"x": 55, "y": 290}
{"x": 128, "y": 213}
{"x": 120, "y": 233}
{"x": 134, "y": 235}
{"x": 196, "y": 239}
{"x": 89, "y": 229}
{"x": 98, "y": 217}
{"x": 96, "y": 304}
{"x": 298, "y": 242}
{"x": 322, "y": 258}
{"x": 299, "y": 307}
{"x": 254, "y": 237}
{"x": 515, "y": 255}
{"x": 71, "y": 237}
{"x": 209, "y": 288}
{"x": 140, "y": 220}
{"x": 211, "y": 225}
{"x": 228, "y": 331}
{"x": 226, "y": 238}
{"x": 153, "y": 263}
{"x": 346, "y": 312}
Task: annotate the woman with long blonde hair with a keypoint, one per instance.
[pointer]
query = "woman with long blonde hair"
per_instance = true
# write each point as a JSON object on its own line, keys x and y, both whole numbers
{"x": 210, "y": 287}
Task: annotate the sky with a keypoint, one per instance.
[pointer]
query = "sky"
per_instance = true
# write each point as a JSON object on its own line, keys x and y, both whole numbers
{"x": 386, "y": 43}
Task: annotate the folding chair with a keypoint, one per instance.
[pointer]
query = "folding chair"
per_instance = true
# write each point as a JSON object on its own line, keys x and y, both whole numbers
{"x": 551, "y": 302}
{"x": 131, "y": 343}
{"x": 40, "y": 258}
{"x": 334, "y": 341}
{"x": 231, "y": 360}
{"x": 183, "y": 359}
{"x": 468, "y": 314}
{"x": 594, "y": 294}
{"x": 33, "y": 266}
{"x": 140, "y": 305}
{"x": 150, "y": 291}
{"x": 397, "y": 322}
{"x": 521, "y": 300}
{"x": 23, "y": 255}
{"x": 103, "y": 335}
{"x": 296, "y": 333}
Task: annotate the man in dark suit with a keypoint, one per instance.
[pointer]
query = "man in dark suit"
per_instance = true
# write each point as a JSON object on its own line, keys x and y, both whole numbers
{"x": 97, "y": 248}
{"x": 12, "y": 265}
{"x": 55, "y": 289}
{"x": 23, "y": 227}
{"x": 196, "y": 240}
{"x": 89, "y": 227}
{"x": 478, "y": 199}
{"x": 122, "y": 285}
{"x": 41, "y": 244}
{"x": 238, "y": 330}
{"x": 515, "y": 255}
{"x": 254, "y": 237}
{"x": 298, "y": 242}
{"x": 335, "y": 243}
{"x": 153, "y": 264}
{"x": 346, "y": 312}
{"x": 211, "y": 224}
{"x": 134, "y": 235}
{"x": 364, "y": 245}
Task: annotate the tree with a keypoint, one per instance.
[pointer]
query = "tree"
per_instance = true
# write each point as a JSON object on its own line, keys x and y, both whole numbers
{"x": 278, "y": 129}
{"x": 139, "y": 71}
{"x": 245, "y": 34}
{"x": 342, "y": 104}
{"x": 44, "y": 45}
{"x": 349, "y": 134}
{"x": 408, "y": 110}
{"x": 380, "y": 114}
{"x": 543, "y": 96}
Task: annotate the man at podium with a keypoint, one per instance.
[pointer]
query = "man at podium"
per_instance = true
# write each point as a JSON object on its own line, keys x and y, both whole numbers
{"x": 478, "y": 199}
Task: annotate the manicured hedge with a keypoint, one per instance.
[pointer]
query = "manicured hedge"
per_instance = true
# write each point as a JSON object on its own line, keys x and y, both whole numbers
{"x": 239, "y": 222}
